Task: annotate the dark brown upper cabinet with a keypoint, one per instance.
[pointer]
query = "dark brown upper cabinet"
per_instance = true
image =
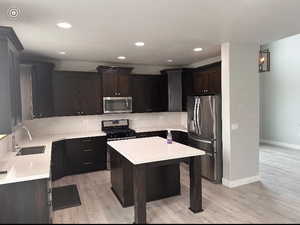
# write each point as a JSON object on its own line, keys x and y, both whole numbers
{"x": 10, "y": 91}
{"x": 207, "y": 79}
{"x": 116, "y": 81}
{"x": 42, "y": 91}
{"x": 173, "y": 79}
{"x": 187, "y": 86}
{"x": 76, "y": 93}
{"x": 148, "y": 93}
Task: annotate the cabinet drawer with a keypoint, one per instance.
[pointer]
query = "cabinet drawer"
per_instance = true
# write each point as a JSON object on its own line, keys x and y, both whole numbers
{"x": 92, "y": 154}
{"x": 88, "y": 166}
{"x": 87, "y": 143}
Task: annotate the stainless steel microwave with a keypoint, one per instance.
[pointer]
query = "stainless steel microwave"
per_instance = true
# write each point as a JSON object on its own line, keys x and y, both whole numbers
{"x": 117, "y": 104}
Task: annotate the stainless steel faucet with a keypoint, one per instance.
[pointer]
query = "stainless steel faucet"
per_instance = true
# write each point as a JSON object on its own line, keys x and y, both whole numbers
{"x": 28, "y": 133}
{"x": 16, "y": 147}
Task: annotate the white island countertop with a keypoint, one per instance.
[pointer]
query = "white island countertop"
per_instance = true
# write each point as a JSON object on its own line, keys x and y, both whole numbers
{"x": 153, "y": 149}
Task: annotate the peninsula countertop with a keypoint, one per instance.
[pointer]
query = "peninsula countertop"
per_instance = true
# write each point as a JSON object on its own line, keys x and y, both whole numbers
{"x": 34, "y": 167}
{"x": 153, "y": 149}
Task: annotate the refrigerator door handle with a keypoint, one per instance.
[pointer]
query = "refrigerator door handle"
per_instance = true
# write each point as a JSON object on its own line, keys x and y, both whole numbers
{"x": 201, "y": 140}
{"x": 198, "y": 116}
{"x": 195, "y": 116}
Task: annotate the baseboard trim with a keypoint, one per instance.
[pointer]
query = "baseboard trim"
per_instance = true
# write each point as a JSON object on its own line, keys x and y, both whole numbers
{"x": 280, "y": 144}
{"x": 240, "y": 182}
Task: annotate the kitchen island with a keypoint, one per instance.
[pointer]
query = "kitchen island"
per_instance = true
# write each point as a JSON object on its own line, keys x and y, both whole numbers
{"x": 143, "y": 154}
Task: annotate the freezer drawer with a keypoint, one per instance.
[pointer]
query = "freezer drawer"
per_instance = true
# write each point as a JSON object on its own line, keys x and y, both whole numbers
{"x": 204, "y": 145}
{"x": 208, "y": 167}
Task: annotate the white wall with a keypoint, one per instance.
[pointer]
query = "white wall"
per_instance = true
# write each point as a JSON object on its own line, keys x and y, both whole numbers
{"x": 280, "y": 93}
{"x": 240, "y": 102}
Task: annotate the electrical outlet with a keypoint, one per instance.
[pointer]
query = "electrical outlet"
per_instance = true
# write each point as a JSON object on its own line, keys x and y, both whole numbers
{"x": 235, "y": 126}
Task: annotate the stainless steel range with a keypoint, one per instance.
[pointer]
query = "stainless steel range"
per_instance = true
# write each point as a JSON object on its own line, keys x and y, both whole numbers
{"x": 118, "y": 130}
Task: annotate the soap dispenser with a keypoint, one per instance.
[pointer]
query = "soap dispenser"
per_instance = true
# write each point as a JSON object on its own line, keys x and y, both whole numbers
{"x": 169, "y": 137}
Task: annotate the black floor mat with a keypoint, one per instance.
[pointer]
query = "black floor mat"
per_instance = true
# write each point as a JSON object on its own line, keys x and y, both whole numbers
{"x": 65, "y": 197}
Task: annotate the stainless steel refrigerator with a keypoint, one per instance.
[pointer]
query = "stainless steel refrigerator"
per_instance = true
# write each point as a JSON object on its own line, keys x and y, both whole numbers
{"x": 205, "y": 133}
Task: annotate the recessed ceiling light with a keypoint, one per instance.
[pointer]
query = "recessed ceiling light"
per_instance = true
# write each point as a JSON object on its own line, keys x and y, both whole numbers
{"x": 64, "y": 25}
{"x": 62, "y": 53}
{"x": 140, "y": 44}
{"x": 198, "y": 49}
{"x": 122, "y": 57}
{"x": 170, "y": 60}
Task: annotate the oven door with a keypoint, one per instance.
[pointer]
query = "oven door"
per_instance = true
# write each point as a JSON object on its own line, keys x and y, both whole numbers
{"x": 117, "y": 104}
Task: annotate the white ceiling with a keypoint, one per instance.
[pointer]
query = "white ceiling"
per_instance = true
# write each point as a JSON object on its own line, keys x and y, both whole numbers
{"x": 105, "y": 29}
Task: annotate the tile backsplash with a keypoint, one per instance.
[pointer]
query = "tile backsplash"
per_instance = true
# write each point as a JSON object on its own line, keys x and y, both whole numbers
{"x": 5, "y": 145}
{"x": 73, "y": 124}
{"x": 61, "y": 125}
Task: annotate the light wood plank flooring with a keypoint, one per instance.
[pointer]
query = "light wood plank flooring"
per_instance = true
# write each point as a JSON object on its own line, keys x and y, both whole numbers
{"x": 276, "y": 199}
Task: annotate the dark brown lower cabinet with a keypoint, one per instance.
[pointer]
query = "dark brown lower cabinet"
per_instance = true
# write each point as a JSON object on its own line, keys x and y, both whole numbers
{"x": 162, "y": 134}
{"x": 75, "y": 156}
{"x": 162, "y": 182}
{"x": 58, "y": 160}
{"x": 86, "y": 155}
{"x": 180, "y": 137}
{"x": 26, "y": 202}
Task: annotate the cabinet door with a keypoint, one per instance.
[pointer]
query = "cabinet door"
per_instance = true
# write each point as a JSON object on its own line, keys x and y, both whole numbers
{"x": 14, "y": 95}
{"x": 42, "y": 91}
{"x": 90, "y": 94}
{"x": 148, "y": 93}
{"x": 201, "y": 82}
{"x": 140, "y": 97}
{"x": 110, "y": 83}
{"x": 66, "y": 94}
{"x": 58, "y": 161}
{"x": 215, "y": 79}
{"x": 156, "y": 94}
{"x": 25, "y": 202}
{"x": 187, "y": 86}
{"x": 123, "y": 89}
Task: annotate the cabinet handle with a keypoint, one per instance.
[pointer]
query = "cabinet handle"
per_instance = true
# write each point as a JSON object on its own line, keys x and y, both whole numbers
{"x": 88, "y": 163}
{"x": 88, "y": 150}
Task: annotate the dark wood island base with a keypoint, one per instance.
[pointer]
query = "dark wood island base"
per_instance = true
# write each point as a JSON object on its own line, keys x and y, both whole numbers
{"x": 162, "y": 181}
{"x": 146, "y": 168}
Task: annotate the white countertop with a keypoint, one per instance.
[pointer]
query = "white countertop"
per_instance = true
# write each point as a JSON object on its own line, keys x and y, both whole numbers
{"x": 34, "y": 167}
{"x": 2, "y": 136}
{"x": 152, "y": 149}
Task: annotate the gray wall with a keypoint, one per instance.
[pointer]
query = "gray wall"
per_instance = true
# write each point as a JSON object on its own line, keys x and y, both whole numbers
{"x": 240, "y": 113}
{"x": 280, "y": 93}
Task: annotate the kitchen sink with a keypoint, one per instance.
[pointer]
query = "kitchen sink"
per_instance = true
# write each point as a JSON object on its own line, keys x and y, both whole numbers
{"x": 31, "y": 150}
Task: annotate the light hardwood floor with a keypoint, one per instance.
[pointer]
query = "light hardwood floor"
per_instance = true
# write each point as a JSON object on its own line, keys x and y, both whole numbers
{"x": 276, "y": 199}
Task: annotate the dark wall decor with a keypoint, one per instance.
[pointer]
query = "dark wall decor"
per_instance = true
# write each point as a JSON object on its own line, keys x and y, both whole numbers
{"x": 264, "y": 61}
